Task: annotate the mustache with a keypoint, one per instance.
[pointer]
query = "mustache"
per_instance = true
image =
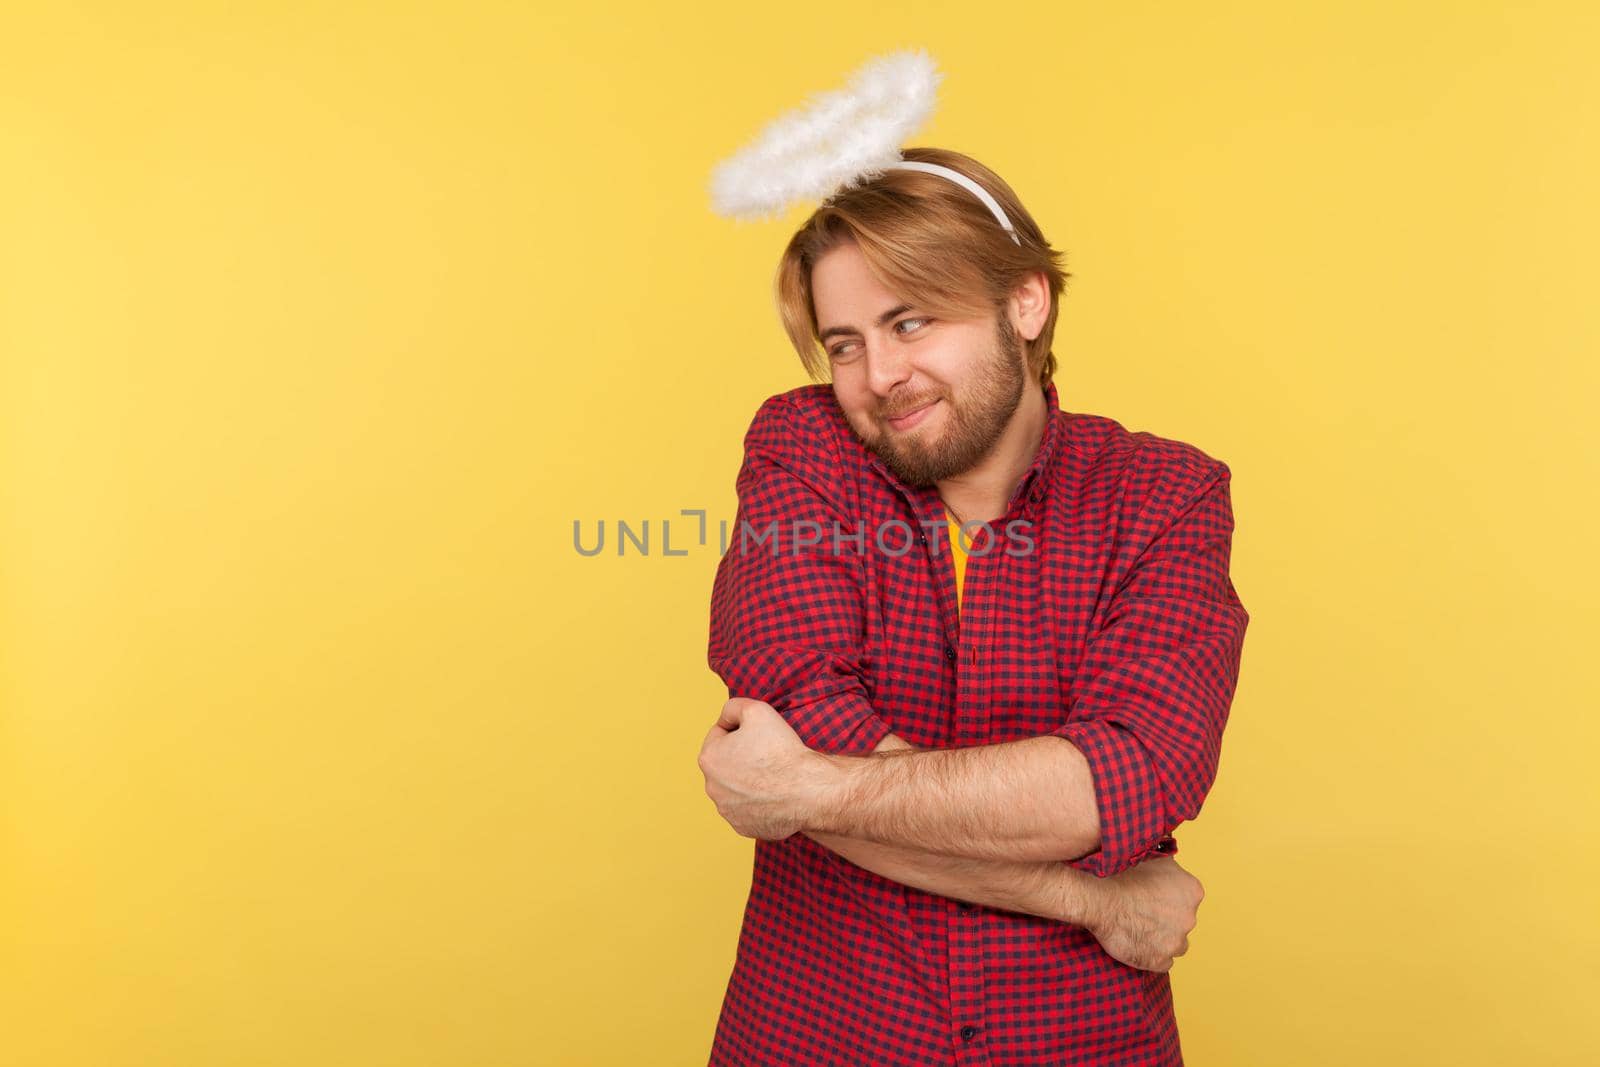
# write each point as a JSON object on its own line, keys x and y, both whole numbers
{"x": 906, "y": 409}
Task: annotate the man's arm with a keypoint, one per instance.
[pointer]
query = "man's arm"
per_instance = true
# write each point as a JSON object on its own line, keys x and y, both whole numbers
{"x": 1045, "y": 888}
{"x": 788, "y": 608}
{"x": 1041, "y": 889}
{"x": 1143, "y": 734}
{"x": 1141, "y": 917}
{"x": 1028, "y": 802}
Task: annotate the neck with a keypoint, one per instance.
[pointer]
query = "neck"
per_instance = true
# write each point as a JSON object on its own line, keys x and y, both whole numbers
{"x": 981, "y": 493}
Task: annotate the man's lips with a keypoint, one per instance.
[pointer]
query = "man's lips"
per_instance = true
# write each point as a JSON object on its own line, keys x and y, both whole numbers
{"x": 912, "y": 417}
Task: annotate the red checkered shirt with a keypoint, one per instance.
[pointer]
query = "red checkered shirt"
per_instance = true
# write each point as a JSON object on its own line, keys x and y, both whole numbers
{"x": 1107, "y": 617}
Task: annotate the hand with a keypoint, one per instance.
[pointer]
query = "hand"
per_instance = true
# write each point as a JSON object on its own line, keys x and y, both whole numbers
{"x": 762, "y": 777}
{"x": 1144, "y": 915}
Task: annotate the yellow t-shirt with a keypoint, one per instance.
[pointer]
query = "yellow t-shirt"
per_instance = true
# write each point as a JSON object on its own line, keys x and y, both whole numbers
{"x": 957, "y": 553}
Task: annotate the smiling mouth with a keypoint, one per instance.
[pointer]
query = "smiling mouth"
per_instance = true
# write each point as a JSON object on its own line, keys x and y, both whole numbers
{"x": 912, "y": 417}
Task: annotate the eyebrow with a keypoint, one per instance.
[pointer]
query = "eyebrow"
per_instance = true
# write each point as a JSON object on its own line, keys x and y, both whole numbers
{"x": 883, "y": 320}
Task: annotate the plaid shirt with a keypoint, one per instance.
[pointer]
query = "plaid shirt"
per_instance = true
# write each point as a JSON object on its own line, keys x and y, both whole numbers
{"x": 1107, "y": 616}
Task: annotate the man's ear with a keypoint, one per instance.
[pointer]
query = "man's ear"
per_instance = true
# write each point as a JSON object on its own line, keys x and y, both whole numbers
{"x": 1030, "y": 305}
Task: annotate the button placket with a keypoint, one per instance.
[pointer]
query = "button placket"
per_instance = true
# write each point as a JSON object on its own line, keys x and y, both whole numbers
{"x": 966, "y": 971}
{"x": 941, "y": 568}
{"x": 965, "y": 922}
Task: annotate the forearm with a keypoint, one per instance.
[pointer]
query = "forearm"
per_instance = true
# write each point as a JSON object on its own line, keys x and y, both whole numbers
{"x": 1048, "y": 890}
{"x": 1022, "y": 801}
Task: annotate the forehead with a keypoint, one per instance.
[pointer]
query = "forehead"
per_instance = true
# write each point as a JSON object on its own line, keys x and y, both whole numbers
{"x": 845, "y": 292}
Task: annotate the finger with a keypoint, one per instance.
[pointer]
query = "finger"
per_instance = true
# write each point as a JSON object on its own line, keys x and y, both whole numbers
{"x": 732, "y": 714}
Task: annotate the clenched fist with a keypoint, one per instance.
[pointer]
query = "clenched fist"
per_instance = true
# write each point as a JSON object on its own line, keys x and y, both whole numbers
{"x": 1143, "y": 915}
{"x": 762, "y": 777}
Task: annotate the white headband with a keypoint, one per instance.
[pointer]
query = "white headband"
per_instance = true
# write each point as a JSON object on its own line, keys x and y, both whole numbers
{"x": 838, "y": 141}
{"x": 961, "y": 179}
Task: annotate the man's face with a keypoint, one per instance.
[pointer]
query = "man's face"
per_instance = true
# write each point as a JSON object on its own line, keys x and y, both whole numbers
{"x": 958, "y": 382}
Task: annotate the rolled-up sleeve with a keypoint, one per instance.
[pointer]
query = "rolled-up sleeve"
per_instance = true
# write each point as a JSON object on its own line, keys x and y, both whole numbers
{"x": 788, "y": 605}
{"x": 1158, "y": 676}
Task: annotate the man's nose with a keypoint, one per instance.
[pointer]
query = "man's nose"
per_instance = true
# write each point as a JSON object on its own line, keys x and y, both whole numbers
{"x": 887, "y": 367}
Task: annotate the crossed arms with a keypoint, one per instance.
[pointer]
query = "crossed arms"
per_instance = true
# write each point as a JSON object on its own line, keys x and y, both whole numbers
{"x": 1141, "y": 917}
{"x": 767, "y": 784}
{"x": 936, "y": 861}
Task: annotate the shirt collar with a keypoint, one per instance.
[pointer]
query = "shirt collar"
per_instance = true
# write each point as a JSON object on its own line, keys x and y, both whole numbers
{"x": 1035, "y": 480}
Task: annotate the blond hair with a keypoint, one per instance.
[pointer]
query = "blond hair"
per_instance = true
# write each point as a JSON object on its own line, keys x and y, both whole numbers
{"x": 930, "y": 241}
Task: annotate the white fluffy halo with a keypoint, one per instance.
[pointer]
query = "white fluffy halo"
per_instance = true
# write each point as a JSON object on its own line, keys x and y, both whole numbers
{"x": 838, "y": 139}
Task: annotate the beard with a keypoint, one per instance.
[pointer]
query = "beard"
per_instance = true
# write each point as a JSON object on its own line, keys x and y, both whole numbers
{"x": 973, "y": 423}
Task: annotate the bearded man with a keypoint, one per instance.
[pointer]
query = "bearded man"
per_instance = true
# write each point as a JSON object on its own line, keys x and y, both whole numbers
{"x": 979, "y": 650}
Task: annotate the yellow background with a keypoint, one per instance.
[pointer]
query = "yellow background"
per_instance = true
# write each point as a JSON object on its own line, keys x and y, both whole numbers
{"x": 322, "y": 323}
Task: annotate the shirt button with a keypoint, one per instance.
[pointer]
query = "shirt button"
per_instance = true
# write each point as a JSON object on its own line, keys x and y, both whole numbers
{"x": 949, "y": 653}
{"x": 968, "y": 1033}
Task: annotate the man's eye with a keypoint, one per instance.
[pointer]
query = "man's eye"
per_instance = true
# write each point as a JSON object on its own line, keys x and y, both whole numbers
{"x": 843, "y": 350}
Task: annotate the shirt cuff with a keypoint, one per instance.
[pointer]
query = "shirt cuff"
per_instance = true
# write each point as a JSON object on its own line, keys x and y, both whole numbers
{"x": 842, "y": 723}
{"x": 1127, "y": 793}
